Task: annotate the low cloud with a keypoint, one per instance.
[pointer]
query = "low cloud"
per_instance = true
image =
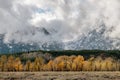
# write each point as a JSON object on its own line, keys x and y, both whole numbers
{"x": 44, "y": 21}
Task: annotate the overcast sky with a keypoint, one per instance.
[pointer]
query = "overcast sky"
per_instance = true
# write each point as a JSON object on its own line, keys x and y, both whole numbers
{"x": 65, "y": 20}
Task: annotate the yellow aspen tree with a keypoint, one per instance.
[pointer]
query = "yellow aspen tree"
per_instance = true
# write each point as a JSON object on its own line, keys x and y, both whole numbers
{"x": 61, "y": 66}
{"x": 10, "y": 63}
{"x": 66, "y": 62}
{"x": 55, "y": 68}
{"x": 71, "y": 58}
{"x": 50, "y": 65}
{"x": 69, "y": 65}
{"x": 36, "y": 64}
{"x": 97, "y": 65}
{"x": 110, "y": 65}
{"x": 74, "y": 67}
{"x": 91, "y": 61}
{"x": 40, "y": 63}
{"x": 45, "y": 67}
{"x": 104, "y": 65}
{"x": 118, "y": 65}
{"x": 1, "y": 65}
{"x": 79, "y": 62}
{"x": 31, "y": 66}
{"x": 113, "y": 66}
{"x": 18, "y": 65}
{"x": 109, "y": 62}
{"x": 57, "y": 62}
{"x": 86, "y": 66}
{"x": 3, "y": 60}
{"x": 59, "y": 59}
{"x": 27, "y": 66}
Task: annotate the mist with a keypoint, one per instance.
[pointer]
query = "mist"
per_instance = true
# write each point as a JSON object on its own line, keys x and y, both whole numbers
{"x": 62, "y": 21}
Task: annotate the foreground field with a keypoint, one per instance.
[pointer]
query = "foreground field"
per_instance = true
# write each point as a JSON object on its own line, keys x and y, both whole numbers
{"x": 59, "y": 75}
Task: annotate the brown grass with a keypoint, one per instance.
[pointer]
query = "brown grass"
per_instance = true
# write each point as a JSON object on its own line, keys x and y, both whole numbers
{"x": 59, "y": 75}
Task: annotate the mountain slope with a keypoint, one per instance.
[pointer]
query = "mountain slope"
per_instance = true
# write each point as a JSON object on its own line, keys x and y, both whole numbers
{"x": 95, "y": 39}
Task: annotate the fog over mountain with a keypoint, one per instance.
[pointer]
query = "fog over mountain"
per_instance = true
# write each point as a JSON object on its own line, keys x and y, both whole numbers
{"x": 59, "y": 24}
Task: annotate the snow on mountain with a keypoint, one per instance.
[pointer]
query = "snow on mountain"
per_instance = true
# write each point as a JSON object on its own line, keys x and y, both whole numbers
{"x": 27, "y": 25}
{"x": 95, "y": 39}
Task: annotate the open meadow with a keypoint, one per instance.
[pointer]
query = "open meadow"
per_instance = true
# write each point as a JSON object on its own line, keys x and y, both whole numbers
{"x": 60, "y": 75}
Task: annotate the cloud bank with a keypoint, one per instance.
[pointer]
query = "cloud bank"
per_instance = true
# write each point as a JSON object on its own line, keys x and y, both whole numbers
{"x": 46, "y": 21}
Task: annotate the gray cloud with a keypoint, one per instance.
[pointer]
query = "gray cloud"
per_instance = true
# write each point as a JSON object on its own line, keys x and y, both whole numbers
{"x": 44, "y": 21}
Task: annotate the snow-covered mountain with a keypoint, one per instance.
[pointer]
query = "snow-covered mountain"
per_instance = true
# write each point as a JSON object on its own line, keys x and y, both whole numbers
{"x": 94, "y": 39}
{"x": 27, "y": 25}
{"x": 13, "y": 47}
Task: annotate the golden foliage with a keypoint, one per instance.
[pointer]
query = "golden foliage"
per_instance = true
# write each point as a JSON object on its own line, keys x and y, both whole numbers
{"x": 50, "y": 65}
{"x": 18, "y": 65}
{"x": 27, "y": 66}
{"x": 60, "y": 63}
{"x": 10, "y": 63}
{"x": 38, "y": 63}
{"x": 3, "y": 60}
{"x": 87, "y": 66}
{"x": 78, "y": 62}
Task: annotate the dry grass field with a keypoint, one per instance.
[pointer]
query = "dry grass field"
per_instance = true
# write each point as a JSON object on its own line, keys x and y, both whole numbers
{"x": 59, "y": 75}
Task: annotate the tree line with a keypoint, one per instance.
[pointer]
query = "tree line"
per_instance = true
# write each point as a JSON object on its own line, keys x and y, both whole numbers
{"x": 60, "y": 63}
